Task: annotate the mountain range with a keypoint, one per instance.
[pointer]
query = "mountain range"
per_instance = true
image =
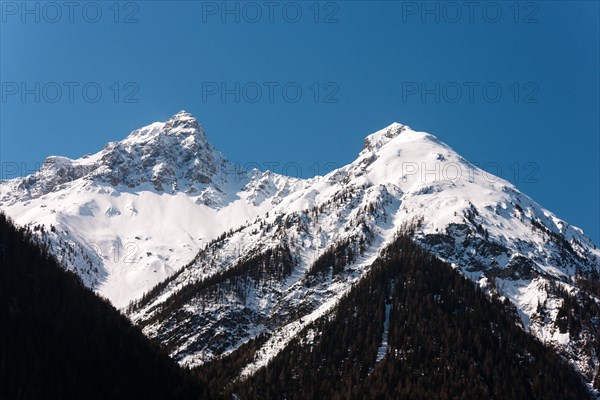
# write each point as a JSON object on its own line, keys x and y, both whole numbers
{"x": 211, "y": 260}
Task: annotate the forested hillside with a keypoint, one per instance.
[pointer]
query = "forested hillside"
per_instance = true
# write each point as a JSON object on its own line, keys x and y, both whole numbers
{"x": 414, "y": 328}
{"x": 58, "y": 340}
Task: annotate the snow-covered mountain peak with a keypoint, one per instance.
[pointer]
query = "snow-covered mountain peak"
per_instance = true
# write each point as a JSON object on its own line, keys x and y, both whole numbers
{"x": 181, "y": 129}
{"x": 142, "y": 207}
{"x": 375, "y": 140}
{"x": 172, "y": 156}
{"x": 184, "y": 123}
{"x": 183, "y": 116}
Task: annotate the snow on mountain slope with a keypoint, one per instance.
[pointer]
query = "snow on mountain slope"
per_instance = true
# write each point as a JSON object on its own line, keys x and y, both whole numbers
{"x": 135, "y": 212}
{"x": 333, "y": 227}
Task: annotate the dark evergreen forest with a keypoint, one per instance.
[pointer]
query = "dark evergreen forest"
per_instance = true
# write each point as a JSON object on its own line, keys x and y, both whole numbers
{"x": 58, "y": 340}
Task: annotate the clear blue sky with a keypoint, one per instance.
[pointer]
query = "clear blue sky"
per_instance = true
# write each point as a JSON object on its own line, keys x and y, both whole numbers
{"x": 435, "y": 66}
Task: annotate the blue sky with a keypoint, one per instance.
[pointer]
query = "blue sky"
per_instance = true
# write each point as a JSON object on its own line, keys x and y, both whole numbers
{"x": 511, "y": 86}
